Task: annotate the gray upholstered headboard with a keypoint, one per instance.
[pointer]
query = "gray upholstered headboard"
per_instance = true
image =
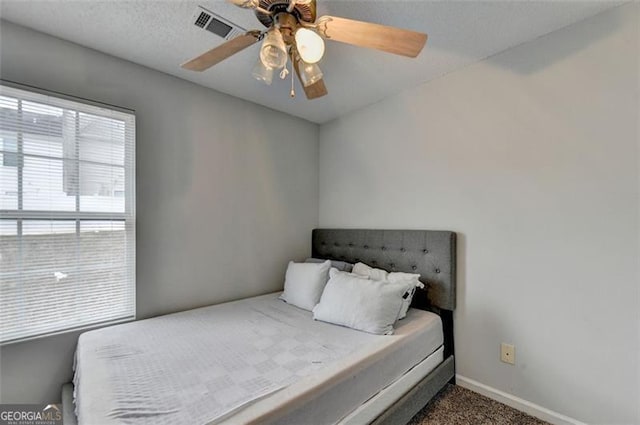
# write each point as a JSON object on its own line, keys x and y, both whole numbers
{"x": 428, "y": 252}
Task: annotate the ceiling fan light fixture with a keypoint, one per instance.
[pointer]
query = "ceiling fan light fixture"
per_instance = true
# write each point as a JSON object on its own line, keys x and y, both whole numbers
{"x": 294, "y": 32}
{"x": 263, "y": 73}
{"x": 310, "y": 73}
{"x": 273, "y": 52}
{"x": 310, "y": 45}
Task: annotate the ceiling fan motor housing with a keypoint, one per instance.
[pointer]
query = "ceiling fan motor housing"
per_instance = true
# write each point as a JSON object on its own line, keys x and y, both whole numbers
{"x": 302, "y": 12}
{"x": 287, "y": 23}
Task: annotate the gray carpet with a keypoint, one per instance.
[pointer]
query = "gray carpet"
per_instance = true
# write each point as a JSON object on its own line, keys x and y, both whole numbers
{"x": 458, "y": 406}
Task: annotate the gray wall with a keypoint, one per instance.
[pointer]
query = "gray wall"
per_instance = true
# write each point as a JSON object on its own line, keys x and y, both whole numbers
{"x": 532, "y": 156}
{"x": 227, "y": 191}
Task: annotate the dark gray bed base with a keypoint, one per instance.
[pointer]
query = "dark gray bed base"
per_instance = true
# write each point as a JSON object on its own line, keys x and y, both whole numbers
{"x": 430, "y": 253}
{"x": 418, "y": 397}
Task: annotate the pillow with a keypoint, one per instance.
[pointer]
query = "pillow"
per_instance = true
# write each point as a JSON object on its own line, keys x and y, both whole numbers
{"x": 375, "y": 274}
{"x": 343, "y": 266}
{"x": 411, "y": 280}
{"x": 399, "y": 276}
{"x": 333, "y": 272}
{"x": 359, "y": 303}
{"x": 304, "y": 283}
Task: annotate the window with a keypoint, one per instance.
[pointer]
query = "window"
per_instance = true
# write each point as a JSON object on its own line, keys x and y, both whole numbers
{"x": 9, "y": 147}
{"x": 67, "y": 214}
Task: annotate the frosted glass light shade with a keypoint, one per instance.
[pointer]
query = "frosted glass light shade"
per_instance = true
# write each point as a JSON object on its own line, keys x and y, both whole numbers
{"x": 262, "y": 73}
{"x": 273, "y": 52}
{"x": 310, "y": 45}
{"x": 310, "y": 73}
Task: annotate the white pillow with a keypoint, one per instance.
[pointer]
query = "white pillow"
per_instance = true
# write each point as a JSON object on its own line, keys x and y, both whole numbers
{"x": 359, "y": 303}
{"x": 400, "y": 276}
{"x": 343, "y": 266}
{"x": 334, "y": 271}
{"x": 304, "y": 283}
{"x": 413, "y": 281}
{"x": 374, "y": 274}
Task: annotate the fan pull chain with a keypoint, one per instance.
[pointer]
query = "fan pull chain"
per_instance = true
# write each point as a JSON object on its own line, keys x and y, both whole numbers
{"x": 293, "y": 91}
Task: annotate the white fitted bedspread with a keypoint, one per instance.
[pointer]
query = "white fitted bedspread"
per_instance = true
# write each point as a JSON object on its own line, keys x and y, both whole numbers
{"x": 201, "y": 365}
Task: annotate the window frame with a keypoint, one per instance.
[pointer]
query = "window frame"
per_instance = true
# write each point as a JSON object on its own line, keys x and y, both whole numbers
{"x": 128, "y": 217}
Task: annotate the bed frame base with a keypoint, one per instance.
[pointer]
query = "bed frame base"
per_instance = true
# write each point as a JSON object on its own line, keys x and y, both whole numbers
{"x": 68, "y": 409}
{"x": 417, "y": 398}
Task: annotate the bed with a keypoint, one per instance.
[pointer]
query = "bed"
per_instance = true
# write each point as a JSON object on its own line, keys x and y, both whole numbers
{"x": 261, "y": 360}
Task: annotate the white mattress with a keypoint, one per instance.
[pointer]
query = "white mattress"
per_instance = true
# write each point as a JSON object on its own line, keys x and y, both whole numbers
{"x": 256, "y": 360}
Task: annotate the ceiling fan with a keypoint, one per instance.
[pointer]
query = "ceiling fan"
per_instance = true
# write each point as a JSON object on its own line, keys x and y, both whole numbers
{"x": 294, "y": 34}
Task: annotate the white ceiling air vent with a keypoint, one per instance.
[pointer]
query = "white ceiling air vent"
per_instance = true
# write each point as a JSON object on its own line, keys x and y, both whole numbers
{"x": 207, "y": 20}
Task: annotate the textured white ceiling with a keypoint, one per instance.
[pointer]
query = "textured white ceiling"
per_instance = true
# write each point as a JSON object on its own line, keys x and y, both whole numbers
{"x": 160, "y": 35}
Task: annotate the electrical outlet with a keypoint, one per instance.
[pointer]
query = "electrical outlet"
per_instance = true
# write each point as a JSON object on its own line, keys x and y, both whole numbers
{"x": 508, "y": 353}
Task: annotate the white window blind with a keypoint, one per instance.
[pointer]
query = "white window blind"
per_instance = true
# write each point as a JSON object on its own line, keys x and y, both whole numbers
{"x": 67, "y": 214}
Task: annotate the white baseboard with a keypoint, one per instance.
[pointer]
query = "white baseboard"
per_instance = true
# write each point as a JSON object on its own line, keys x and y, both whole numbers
{"x": 517, "y": 403}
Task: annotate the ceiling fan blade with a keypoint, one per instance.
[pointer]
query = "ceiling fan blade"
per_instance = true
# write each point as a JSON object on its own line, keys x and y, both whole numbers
{"x": 245, "y": 4}
{"x": 375, "y": 36}
{"x": 315, "y": 90}
{"x": 220, "y": 53}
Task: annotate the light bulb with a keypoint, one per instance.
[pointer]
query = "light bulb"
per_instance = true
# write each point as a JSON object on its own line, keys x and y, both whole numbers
{"x": 273, "y": 52}
{"x": 310, "y": 73}
{"x": 310, "y": 45}
{"x": 262, "y": 73}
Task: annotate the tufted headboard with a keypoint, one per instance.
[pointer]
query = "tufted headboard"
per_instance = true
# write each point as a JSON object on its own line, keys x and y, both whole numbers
{"x": 431, "y": 253}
